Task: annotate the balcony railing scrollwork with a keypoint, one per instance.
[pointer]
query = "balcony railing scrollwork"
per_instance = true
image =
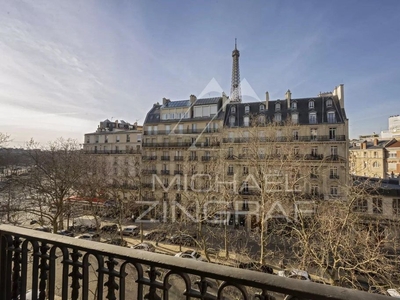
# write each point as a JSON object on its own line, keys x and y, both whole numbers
{"x": 54, "y": 266}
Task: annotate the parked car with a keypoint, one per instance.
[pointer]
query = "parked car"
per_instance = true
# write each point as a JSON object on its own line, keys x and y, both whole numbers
{"x": 145, "y": 247}
{"x": 191, "y": 254}
{"x": 130, "y": 230}
{"x": 33, "y": 222}
{"x": 256, "y": 266}
{"x": 43, "y": 228}
{"x": 295, "y": 273}
{"x": 65, "y": 232}
{"x": 109, "y": 228}
{"x": 156, "y": 235}
{"x": 183, "y": 239}
{"x": 393, "y": 293}
{"x": 118, "y": 242}
{"x": 89, "y": 236}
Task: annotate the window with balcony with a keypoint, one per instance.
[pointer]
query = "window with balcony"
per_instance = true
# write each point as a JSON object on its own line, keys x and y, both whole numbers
{"x": 314, "y": 172}
{"x": 246, "y": 121}
{"x": 312, "y": 118}
{"x": 105, "y": 139}
{"x": 332, "y": 133}
{"x": 377, "y": 205}
{"x": 295, "y": 134}
{"x": 128, "y": 138}
{"x": 331, "y": 117}
{"x": 361, "y": 205}
{"x": 296, "y": 151}
{"x": 97, "y": 138}
{"x": 313, "y": 134}
{"x": 314, "y": 151}
{"x": 334, "y": 150}
{"x": 311, "y": 104}
{"x": 230, "y": 152}
{"x": 396, "y": 207}
{"x": 117, "y": 139}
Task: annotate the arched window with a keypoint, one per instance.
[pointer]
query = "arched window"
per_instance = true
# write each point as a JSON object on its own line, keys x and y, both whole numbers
{"x": 294, "y": 105}
{"x": 246, "y": 109}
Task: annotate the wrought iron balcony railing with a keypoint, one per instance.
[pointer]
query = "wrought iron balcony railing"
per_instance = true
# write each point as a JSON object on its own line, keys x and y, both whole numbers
{"x": 178, "y": 158}
{"x": 307, "y": 138}
{"x": 113, "y": 151}
{"x": 164, "y": 157}
{"x": 54, "y": 266}
{"x": 164, "y": 172}
{"x": 178, "y": 131}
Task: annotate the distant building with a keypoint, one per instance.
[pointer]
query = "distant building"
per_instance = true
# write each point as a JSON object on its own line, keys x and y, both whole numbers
{"x": 394, "y": 128}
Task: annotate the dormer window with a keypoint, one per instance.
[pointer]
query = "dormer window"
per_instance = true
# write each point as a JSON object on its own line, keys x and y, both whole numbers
{"x": 294, "y": 105}
{"x": 233, "y": 109}
{"x": 329, "y": 103}
{"x": 277, "y": 106}
{"x": 311, "y": 104}
{"x": 262, "y": 107}
{"x": 232, "y": 121}
{"x": 246, "y": 109}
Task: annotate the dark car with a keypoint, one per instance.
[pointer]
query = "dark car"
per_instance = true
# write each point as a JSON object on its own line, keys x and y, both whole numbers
{"x": 183, "y": 239}
{"x": 156, "y": 235}
{"x": 256, "y": 266}
{"x": 109, "y": 228}
{"x": 43, "y": 228}
{"x": 118, "y": 242}
{"x": 65, "y": 233}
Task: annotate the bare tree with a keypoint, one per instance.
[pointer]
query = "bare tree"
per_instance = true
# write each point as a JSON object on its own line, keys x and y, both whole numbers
{"x": 56, "y": 175}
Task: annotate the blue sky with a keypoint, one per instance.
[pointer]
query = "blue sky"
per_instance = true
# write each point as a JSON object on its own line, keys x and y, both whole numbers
{"x": 66, "y": 65}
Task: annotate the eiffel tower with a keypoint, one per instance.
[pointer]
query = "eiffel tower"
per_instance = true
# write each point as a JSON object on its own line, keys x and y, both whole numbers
{"x": 236, "y": 93}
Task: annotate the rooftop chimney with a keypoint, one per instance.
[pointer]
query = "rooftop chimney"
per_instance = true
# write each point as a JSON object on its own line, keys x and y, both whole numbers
{"x": 165, "y": 101}
{"x": 192, "y": 99}
{"x": 288, "y": 97}
{"x": 266, "y": 100}
{"x": 364, "y": 145}
{"x": 376, "y": 142}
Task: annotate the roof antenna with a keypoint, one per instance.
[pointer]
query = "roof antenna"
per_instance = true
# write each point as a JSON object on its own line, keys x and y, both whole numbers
{"x": 235, "y": 44}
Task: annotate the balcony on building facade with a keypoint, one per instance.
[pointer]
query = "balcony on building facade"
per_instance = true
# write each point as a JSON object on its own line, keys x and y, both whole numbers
{"x": 164, "y": 172}
{"x": 334, "y": 176}
{"x": 151, "y": 157}
{"x": 113, "y": 151}
{"x": 178, "y": 172}
{"x": 307, "y": 138}
{"x": 314, "y": 156}
{"x": 149, "y": 171}
{"x": 230, "y": 173}
{"x": 181, "y": 144}
{"x": 164, "y": 158}
{"x": 53, "y": 267}
{"x": 206, "y": 158}
{"x": 178, "y": 131}
{"x": 313, "y": 176}
{"x": 178, "y": 158}
{"x": 193, "y": 158}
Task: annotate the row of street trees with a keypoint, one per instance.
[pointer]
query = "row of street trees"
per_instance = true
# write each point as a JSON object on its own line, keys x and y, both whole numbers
{"x": 328, "y": 238}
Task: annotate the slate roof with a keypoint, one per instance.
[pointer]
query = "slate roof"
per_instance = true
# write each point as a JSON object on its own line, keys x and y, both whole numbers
{"x": 302, "y": 110}
{"x": 179, "y": 103}
{"x": 370, "y": 145}
{"x": 207, "y": 101}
